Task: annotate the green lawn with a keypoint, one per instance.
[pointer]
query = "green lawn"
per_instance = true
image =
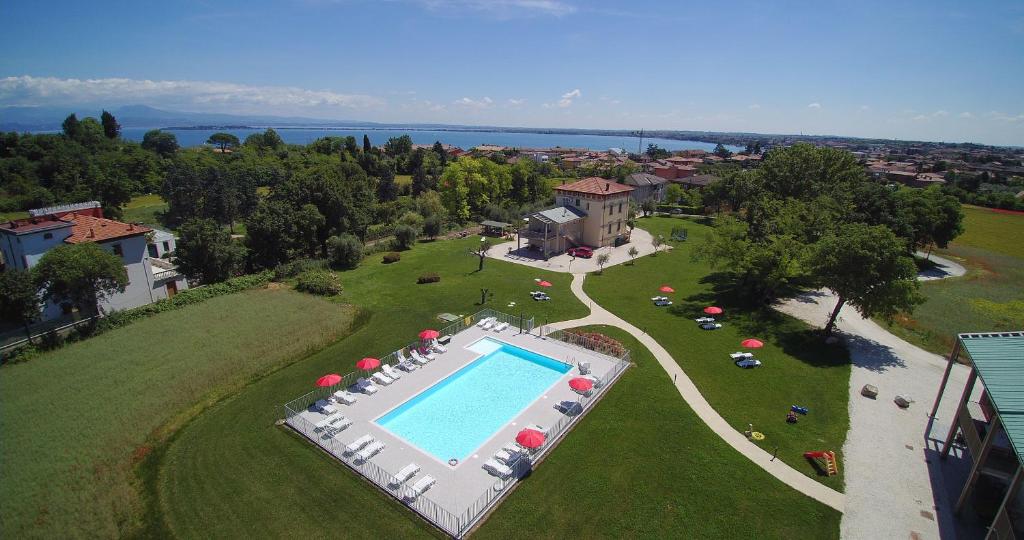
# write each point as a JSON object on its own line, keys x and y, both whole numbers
{"x": 403, "y": 179}
{"x": 642, "y": 465}
{"x": 989, "y": 298}
{"x": 206, "y": 483}
{"x": 75, "y": 421}
{"x": 143, "y": 209}
{"x": 799, "y": 369}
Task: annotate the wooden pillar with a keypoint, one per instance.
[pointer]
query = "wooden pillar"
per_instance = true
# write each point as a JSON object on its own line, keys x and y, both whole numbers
{"x": 1011, "y": 492}
{"x": 978, "y": 461}
{"x": 968, "y": 388}
{"x": 953, "y": 355}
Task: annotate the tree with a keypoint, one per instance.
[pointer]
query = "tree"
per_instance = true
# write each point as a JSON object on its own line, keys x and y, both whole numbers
{"x": 398, "y": 146}
{"x": 721, "y": 151}
{"x": 438, "y": 149}
{"x": 270, "y": 234}
{"x": 223, "y": 141}
{"x": 432, "y": 226}
{"x": 405, "y": 235}
{"x": 657, "y": 241}
{"x": 366, "y": 144}
{"x": 419, "y": 181}
{"x": 602, "y": 260}
{"x": 80, "y": 274}
{"x": 345, "y": 251}
{"x": 481, "y": 251}
{"x": 648, "y": 207}
{"x": 19, "y": 298}
{"x": 111, "y": 129}
{"x": 753, "y": 147}
{"x": 161, "y": 142}
{"x": 633, "y": 252}
{"x": 72, "y": 127}
{"x": 656, "y": 152}
{"x": 206, "y": 252}
{"x": 867, "y": 267}
{"x": 387, "y": 190}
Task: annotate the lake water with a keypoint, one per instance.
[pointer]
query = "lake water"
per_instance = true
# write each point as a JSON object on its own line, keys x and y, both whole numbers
{"x": 461, "y": 139}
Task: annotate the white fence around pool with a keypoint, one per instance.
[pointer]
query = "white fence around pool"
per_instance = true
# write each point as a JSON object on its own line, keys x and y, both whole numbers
{"x": 459, "y": 524}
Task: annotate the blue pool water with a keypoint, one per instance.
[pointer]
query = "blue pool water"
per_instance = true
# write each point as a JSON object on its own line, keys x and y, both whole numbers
{"x": 458, "y": 414}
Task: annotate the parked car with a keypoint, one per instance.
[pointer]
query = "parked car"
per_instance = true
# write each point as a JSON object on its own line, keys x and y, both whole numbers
{"x": 582, "y": 252}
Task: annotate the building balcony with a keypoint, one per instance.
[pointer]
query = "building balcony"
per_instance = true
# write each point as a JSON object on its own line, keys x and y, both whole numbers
{"x": 538, "y": 235}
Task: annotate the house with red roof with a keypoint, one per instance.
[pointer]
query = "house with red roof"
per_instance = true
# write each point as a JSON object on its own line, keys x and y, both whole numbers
{"x": 591, "y": 212}
{"x": 23, "y": 242}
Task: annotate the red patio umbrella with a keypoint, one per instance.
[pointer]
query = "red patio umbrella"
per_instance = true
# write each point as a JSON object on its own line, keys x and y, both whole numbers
{"x": 367, "y": 364}
{"x": 429, "y": 334}
{"x": 580, "y": 384}
{"x": 530, "y": 438}
{"x": 752, "y": 343}
{"x": 544, "y": 283}
{"x": 713, "y": 310}
{"x": 330, "y": 379}
{"x": 666, "y": 288}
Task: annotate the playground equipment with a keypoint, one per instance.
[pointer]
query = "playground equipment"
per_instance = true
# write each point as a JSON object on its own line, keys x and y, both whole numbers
{"x": 825, "y": 460}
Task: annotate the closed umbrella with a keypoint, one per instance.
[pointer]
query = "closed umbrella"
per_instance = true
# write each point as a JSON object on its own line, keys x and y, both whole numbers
{"x": 752, "y": 343}
{"x": 530, "y": 438}
{"x": 330, "y": 379}
{"x": 367, "y": 364}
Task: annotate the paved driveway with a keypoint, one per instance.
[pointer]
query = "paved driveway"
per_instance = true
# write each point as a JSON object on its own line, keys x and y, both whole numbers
{"x": 639, "y": 238}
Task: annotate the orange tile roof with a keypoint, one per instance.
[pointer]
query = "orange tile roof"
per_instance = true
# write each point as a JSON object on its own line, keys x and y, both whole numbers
{"x": 595, "y": 186}
{"x": 92, "y": 229}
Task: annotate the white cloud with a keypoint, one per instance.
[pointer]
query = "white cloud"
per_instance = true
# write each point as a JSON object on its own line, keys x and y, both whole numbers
{"x": 920, "y": 118}
{"x": 207, "y": 95}
{"x": 754, "y": 106}
{"x": 501, "y": 8}
{"x": 814, "y": 105}
{"x": 966, "y": 114}
{"x": 1000, "y": 116}
{"x": 469, "y": 103}
{"x": 568, "y": 97}
{"x": 940, "y": 114}
{"x": 513, "y": 102}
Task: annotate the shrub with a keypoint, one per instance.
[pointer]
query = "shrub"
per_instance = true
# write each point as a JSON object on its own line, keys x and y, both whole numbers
{"x": 405, "y": 236}
{"x": 321, "y": 282}
{"x": 392, "y": 257}
{"x": 411, "y": 219}
{"x": 296, "y": 267}
{"x": 345, "y": 251}
{"x": 429, "y": 277}
{"x": 432, "y": 226}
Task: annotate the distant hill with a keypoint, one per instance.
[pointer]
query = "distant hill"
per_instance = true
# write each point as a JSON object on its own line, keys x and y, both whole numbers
{"x": 143, "y": 116}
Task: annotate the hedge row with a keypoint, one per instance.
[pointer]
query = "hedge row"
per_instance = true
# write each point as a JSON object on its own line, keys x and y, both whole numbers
{"x": 693, "y": 210}
{"x": 184, "y": 298}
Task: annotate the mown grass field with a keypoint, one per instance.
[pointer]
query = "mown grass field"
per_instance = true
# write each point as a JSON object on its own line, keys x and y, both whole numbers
{"x": 799, "y": 369}
{"x": 77, "y": 420}
{"x": 232, "y": 473}
{"x": 144, "y": 208}
{"x": 642, "y": 465}
{"x": 989, "y": 298}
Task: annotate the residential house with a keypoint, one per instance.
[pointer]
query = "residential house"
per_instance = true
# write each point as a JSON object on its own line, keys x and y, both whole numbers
{"x": 24, "y": 242}
{"x": 647, "y": 187}
{"x": 591, "y": 212}
{"x": 697, "y": 181}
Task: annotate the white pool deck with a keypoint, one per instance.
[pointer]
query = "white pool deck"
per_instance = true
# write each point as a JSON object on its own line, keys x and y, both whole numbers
{"x": 459, "y": 486}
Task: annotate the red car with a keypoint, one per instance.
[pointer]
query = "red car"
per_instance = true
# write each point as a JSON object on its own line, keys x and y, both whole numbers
{"x": 582, "y": 252}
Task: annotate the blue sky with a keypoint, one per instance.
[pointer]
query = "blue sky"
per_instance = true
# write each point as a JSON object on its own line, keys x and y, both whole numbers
{"x": 931, "y": 70}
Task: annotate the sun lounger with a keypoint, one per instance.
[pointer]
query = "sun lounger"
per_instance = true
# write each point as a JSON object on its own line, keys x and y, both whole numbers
{"x": 435, "y": 346}
{"x": 337, "y": 425}
{"x": 327, "y": 421}
{"x": 711, "y": 326}
{"x": 358, "y": 443}
{"x": 391, "y": 372}
{"x": 382, "y": 378}
{"x": 490, "y": 323}
{"x": 501, "y": 327}
{"x": 569, "y": 407}
{"x": 535, "y": 427}
{"x": 325, "y": 407}
{"x": 420, "y": 486}
{"x": 407, "y": 365}
{"x": 663, "y": 303}
{"x": 506, "y": 456}
{"x": 741, "y": 355}
{"x": 584, "y": 367}
{"x": 405, "y": 474}
{"x": 366, "y": 386}
{"x": 597, "y": 382}
{"x": 419, "y": 359}
{"x": 344, "y": 396}
{"x": 483, "y": 322}
{"x": 658, "y": 298}
{"x": 497, "y": 469}
{"x": 425, "y": 353}
{"x": 371, "y": 450}
{"x": 702, "y": 320}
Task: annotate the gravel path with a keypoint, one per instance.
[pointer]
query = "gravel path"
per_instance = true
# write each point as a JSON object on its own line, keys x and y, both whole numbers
{"x": 890, "y": 492}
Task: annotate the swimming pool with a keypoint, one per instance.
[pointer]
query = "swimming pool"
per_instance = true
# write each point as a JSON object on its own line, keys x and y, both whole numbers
{"x": 458, "y": 414}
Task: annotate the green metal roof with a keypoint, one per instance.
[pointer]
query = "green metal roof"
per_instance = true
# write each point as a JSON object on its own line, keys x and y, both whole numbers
{"x": 999, "y": 360}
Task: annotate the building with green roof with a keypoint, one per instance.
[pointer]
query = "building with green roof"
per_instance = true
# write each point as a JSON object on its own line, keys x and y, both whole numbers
{"x": 991, "y": 429}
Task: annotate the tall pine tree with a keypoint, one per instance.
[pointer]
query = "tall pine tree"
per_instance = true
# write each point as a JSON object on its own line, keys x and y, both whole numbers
{"x": 110, "y": 126}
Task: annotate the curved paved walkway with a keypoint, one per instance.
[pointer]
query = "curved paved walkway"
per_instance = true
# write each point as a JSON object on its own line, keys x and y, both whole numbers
{"x": 696, "y": 401}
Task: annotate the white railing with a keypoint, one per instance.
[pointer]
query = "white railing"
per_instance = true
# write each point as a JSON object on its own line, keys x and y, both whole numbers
{"x": 458, "y": 524}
